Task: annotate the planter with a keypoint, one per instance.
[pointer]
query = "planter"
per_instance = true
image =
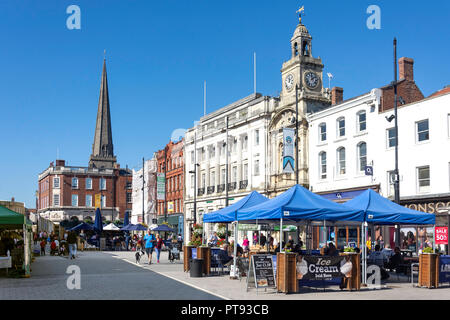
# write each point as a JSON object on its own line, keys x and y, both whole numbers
{"x": 287, "y": 272}
{"x": 429, "y": 270}
{"x": 355, "y": 283}
{"x": 205, "y": 254}
{"x": 187, "y": 254}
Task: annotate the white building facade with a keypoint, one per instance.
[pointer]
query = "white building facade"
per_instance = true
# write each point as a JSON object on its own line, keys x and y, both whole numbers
{"x": 149, "y": 193}
{"x": 248, "y": 121}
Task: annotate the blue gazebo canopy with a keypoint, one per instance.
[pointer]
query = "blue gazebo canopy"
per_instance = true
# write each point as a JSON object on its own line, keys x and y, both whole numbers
{"x": 163, "y": 227}
{"x": 134, "y": 227}
{"x": 81, "y": 226}
{"x": 299, "y": 203}
{"x": 379, "y": 210}
{"x": 229, "y": 214}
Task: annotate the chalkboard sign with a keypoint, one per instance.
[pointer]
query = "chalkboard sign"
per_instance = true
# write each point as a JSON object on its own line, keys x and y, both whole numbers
{"x": 261, "y": 272}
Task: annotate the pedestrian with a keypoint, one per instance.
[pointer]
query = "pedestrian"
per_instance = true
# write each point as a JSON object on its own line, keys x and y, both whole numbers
{"x": 245, "y": 244}
{"x": 159, "y": 245}
{"x": 72, "y": 241}
{"x": 43, "y": 243}
{"x": 149, "y": 240}
{"x": 255, "y": 239}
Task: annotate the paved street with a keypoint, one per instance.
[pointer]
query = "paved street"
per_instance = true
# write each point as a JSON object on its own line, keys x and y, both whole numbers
{"x": 114, "y": 275}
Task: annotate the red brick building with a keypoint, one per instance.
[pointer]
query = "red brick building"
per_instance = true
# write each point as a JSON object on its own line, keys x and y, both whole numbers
{"x": 170, "y": 161}
{"x": 66, "y": 191}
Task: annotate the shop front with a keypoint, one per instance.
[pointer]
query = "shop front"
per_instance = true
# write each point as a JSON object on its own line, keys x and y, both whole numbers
{"x": 175, "y": 221}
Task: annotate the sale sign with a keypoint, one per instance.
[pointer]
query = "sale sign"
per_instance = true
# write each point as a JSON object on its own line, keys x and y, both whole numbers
{"x": 441, "y": 235}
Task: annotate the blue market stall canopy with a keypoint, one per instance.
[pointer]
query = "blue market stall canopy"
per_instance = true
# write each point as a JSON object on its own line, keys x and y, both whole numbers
{"x": 81, "y": 226}
{"x": 134, "y": 227}
{"x": 229, "y": 213}
{"x": 379, "y": 210}
{"x": 299, "y": 203}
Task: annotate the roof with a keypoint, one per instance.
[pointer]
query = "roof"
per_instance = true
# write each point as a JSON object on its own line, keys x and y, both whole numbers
{"x": 441, "y": 92}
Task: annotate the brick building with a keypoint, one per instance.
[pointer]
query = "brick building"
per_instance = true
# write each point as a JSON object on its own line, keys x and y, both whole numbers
{"x": 66, "y": 191}
{"x": 171, "y": 162}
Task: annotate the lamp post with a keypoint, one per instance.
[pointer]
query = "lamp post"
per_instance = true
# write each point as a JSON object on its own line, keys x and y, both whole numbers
{"x": 195, "y": 177}
{"x": 296, "y": 133}
{"x": 226, "y": 178}
{"x": 396, "y": 172}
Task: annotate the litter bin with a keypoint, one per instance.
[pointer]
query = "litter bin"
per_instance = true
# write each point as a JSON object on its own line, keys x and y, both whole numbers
{"x": 196, "y": 268}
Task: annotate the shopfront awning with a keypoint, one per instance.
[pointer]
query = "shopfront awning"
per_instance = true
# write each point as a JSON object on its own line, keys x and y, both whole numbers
{"x": 382, "y": 211}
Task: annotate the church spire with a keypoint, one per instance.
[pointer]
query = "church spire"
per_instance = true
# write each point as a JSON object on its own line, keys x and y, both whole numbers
{"x": 102, "y": 150}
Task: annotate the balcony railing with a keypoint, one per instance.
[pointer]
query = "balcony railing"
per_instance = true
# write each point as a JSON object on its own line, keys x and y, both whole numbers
{"x": 231, "y": 186}
{"x": 243, "y": 184}
{"x": 210, "y": 190}
{"x": 201, "y": 191}
{"x": 221, "y": 188}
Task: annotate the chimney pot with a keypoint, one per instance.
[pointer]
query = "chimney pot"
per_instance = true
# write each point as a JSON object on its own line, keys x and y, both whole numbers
{"x": 337, "y": 95}
{"x": 406, "y": 68}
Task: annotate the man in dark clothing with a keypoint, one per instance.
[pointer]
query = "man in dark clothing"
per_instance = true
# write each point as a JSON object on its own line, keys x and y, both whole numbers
{"x": 72, "y": 241}
{"x": 262, "y": 240}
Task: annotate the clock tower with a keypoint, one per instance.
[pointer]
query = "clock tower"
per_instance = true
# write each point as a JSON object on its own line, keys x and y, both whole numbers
{"x": 302, "y": 74}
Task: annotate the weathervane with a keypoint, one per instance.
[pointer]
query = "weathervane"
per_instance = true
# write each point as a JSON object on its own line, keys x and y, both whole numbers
{"x": 299, "y": 11}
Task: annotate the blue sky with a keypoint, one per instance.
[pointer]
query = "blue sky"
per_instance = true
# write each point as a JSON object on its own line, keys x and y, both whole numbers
{"x": 159, "y": 53}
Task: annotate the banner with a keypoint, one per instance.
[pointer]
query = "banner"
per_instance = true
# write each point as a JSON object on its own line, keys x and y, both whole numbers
{"x": 170, "y": 206}
{"x": 444, "y": 268}
{"x": 98, "y": 200}
{"x": 321, "y": 267}
{"x": 441, "y": 235}
{"x": 160, "y": 186}
{"x": 288, "y": 150}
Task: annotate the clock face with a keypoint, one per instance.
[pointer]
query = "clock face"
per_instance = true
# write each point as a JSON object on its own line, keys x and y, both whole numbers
{"x": 289, "y": 81}
{"x": 311, "y": 79}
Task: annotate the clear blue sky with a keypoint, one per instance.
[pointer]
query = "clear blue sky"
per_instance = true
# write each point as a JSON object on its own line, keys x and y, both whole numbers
{"x": 160, "y": 52}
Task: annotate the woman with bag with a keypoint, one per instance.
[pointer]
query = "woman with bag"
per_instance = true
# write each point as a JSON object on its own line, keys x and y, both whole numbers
{"x": 159, "y": 245}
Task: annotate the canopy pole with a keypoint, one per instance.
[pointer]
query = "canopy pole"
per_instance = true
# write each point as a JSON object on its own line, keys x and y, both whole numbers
{"x": 325, "y": 233}
{"x": 281, "y": 235}
{"x": 235, "y": 248}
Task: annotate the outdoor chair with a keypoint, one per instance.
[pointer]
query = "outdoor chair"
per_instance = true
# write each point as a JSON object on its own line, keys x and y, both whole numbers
{"x": 217, "y": 263}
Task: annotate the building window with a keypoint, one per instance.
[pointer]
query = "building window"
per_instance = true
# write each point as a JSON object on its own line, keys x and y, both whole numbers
{"x": 245, "y": 173}
{"x": 234, "y": 174}
{"x": 56, "y": 182}
{"x": 362, "y": 156}
{"x": 341, "y": 161}
{"x": 423, "y": 132}
{"x": 74, "y": 183}
{"x": 257, "y": 137}
{"x": 323, "y": 165}
{"x": 102, "y": 184}
{"x": 256, "y": 169}
{"x": 203, "y": 180}
{"x": 129, "y": 197}
{"x": 56, "y": 200}
{"x": 192, "y": 157}
{"x": 361, "y": 116}
{"x": 323, "y": 132}
{"x": 223, "y": 181}
{"x": 192, "y": 181}
{"x": 390, "y": 137}
{"x": 88, "y": 183}
{"x": 245, "y": 143}
{"x": 423, "y": 179}
{"x": 103, "y": 201}
{"x": 340, "y": 127}
{"x": 74, "y": 200}
{"x": 212, "y": 179}
{"x": 88, "y": 200}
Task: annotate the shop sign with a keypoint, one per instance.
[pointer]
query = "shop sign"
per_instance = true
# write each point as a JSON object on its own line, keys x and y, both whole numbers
{"x": 444, "y": 269}
{"x": 321, "y": 267}
{"x": 431, "y": 207}
{"x": 441, "y": 235}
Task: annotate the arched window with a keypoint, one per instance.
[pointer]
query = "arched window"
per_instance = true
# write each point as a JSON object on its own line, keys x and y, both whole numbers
{"x": 323, "y": 165}
{"x": 341, "y": 161}
{"x": 362, "y": 155}
{"x": 305, "y": 49}
{"x": 295, "y": 49}
{"x": 322, "y": 132}
{"x": 361, "y": 121}
{"x": 340, "y": 125}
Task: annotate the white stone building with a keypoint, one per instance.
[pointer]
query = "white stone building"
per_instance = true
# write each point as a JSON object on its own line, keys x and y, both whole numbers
{"x": 149, "y": 193}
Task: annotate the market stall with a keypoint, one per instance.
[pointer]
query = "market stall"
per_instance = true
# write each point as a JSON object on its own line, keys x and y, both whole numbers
{"x": 16, "y": 235}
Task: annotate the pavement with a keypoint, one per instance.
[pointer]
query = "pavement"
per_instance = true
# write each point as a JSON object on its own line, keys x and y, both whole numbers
{"x": 115, "y": 275}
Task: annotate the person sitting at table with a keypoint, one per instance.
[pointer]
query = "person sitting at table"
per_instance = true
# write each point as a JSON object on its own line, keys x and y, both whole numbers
{"x": 331, "y": 250}
{"x": 387, "y": 251}
{"x": 223, "y": 255}
{"x": 378, "y": 258}
{"x": 213, "y": 239}
{"x": 395, "y": 260}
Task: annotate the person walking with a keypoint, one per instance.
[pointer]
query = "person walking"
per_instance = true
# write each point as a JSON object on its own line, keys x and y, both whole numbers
{"x": 43, "y": 243}
{"x": 158, "y": 247}
{"x": 72, "y": 241}
{"x": 149, "y": 240}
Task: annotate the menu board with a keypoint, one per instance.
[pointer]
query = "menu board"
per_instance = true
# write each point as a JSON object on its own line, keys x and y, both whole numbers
{"x": 260, "y": 273}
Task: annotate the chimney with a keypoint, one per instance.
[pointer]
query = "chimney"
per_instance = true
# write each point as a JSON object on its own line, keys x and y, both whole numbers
{"x": 60, "y": 163}
{"x": 406, "y": 68}
{"x": 337, "y": 95}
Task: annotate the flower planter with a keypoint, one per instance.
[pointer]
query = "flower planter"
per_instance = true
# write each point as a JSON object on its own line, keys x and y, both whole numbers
{"x": 287, "y": 272}
{"x": 429, "y": 270}
{"x": 205, "y": 254}
{"x": 187, "y": 254}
